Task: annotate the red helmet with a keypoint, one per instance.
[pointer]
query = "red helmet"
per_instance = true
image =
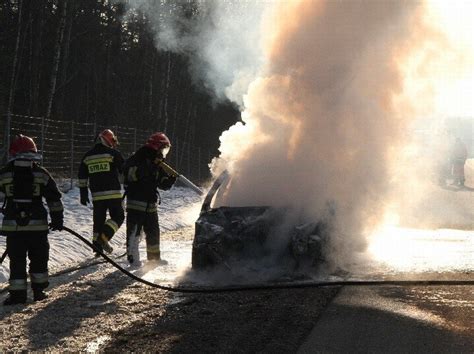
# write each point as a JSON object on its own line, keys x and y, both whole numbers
{"x": 108, "y": 138}
{"x": 158, "y": 141}
{"x": 22, "y": 143}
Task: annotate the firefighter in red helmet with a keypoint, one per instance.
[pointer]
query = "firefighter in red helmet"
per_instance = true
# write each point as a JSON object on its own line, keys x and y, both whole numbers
{"x": 99, "y": 171}
{"x": 143, "y": 176}
{"x": 25, "y": 221}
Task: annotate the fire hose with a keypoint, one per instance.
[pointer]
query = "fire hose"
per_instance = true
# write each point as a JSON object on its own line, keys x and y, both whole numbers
{"x": 272, "y": 286}
{"x": 2, "y": 258}
{"x": 269, "y": 286}
{"x": 173, "y": 173}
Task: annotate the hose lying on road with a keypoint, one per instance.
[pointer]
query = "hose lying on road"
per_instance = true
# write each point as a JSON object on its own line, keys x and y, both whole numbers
{"x": 83, "y": 265}
{"x": 273, "y": 286}
{"x": 4, "y": 255}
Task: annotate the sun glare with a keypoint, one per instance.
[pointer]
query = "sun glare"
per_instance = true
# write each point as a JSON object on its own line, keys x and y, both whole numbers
{"x": 419, "y": 251}
{"x": 453, "y": 77}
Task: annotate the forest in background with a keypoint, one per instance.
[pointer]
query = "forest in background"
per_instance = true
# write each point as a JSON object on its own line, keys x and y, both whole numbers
{"x": 77, "y": 60}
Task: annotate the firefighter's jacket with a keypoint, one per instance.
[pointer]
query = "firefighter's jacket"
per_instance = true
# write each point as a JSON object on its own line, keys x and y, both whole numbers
{"x": 25, "y": 184}
{"x": 142, "y": 178}
{"x": 100, "y": 170}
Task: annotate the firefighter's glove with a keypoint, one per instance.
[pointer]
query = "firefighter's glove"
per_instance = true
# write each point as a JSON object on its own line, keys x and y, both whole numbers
{"x": 167, "y": 182}
{"x": 84, "y": 196}
{"x": 85, "y": 200}
{"x": 56, "y": 224}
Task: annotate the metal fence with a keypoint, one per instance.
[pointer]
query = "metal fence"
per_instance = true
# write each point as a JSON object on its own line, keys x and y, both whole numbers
{"x": 63, "y": 144}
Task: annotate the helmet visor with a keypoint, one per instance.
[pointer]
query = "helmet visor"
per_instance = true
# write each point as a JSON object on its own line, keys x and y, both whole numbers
{"x": 165, "y": 150}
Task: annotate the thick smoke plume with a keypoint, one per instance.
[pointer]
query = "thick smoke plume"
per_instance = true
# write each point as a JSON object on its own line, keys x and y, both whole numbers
{"x": 323, "y": 87}
{"x": 326, "y": 115}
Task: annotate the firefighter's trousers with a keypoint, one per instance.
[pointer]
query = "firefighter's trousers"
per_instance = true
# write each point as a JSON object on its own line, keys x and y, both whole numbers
{"x": 148, "y": 222}
{"x": 117, "y": 215}
{"x": 35, "y": 246}
{"x": 457, "y": 171}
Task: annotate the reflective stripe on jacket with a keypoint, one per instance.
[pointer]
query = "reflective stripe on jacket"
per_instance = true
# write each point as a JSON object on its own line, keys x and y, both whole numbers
{"x": 142, "y": 178}
{"x": 24, "y": 209}
{"x": 141, "y": 206}
{"x": 100, "y": 170}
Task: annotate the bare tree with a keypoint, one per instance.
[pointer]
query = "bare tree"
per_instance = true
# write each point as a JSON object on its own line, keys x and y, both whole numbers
{"x": 63, "y": 79}
{"x": 35, "y": 79}
{"x": 11, "y": 96}
{"x": 166, "y": 92}
{"x": 85, "y": 61}
{"x": 57, "y": 55}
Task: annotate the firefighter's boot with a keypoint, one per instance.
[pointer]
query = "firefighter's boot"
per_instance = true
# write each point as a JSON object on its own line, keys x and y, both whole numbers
{"x": 15, "y": 297}
{"x": 133, "y": 240}
{"x": 39, "y": 295}
{"x": 160, "y": 261}
{"x": 155, "y": 258}
{"x": 104, "y": 243}
{"x": 97, "y": 246}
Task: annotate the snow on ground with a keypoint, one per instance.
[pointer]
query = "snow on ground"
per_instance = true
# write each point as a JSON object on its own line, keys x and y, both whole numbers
{"x": 408, "y": 253}
{"x": 179, "y": 208}
{"x": 396, "y": 251}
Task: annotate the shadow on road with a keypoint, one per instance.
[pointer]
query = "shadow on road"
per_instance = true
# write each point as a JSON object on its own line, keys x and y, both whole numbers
{"x": 258, "y": 321}
{"x": 87, "y": 300}
{"x": 383, "y": 321}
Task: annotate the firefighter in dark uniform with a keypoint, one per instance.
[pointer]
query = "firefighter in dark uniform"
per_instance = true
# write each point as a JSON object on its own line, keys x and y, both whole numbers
{"x": 25, "y": 221}
{"x": 100, "y": 170}
{"x": 142, "y": 177}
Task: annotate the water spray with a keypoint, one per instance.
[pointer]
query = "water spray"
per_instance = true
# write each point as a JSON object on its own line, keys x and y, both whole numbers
{"x": 173, "y": 173}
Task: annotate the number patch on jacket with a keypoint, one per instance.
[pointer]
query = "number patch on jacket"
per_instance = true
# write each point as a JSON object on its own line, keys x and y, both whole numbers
{"x": 99, "y": 167}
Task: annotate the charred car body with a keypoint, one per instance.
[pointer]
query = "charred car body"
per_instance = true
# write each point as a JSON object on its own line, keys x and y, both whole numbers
{"x": 226, "y": 236}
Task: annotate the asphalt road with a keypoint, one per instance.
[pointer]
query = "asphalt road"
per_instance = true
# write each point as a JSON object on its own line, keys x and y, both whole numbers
{"x": 389, "y": 319}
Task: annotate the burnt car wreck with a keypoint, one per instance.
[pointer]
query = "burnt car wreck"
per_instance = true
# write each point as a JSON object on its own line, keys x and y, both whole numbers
{"x": 227, "y": 236}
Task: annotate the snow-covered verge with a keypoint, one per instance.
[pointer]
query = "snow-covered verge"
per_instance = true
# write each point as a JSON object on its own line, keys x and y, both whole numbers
{"x": 100, "y": 309}
{"x": 179, "y": 208}
{"x": 447, "y": 207}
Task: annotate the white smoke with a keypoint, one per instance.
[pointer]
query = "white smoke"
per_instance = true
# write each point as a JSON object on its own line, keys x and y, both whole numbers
{"x": 321, "y": 121}
{"x": 324, "y": 88}
{"x": 221, "y": 38}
